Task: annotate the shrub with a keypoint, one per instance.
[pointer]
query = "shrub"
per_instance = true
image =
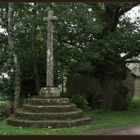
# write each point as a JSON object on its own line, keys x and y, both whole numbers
{"x": 80, "y": 101}
{"x": 5, "y": 109}
{"x": 135, "y": 103}
{"x": 26, "y": 100}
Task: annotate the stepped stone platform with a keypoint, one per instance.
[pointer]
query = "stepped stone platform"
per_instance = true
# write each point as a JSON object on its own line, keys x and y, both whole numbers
{"x": 49, "y": 113}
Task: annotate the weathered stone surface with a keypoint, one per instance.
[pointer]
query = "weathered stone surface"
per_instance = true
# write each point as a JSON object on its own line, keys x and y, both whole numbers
{"x": 49, "y": 116}
{"x": 50, "y": 101}
{"x": 49, "y": 71}
{"x": 49, "y": 90}
{"x": 46, "y": 92}
{"x": 129, "y": 83}
{"x": 49, "y": 108}
{"x": 50, "y": 123}
{"x": 67, "y": 114}
{"x": 137, "y": 86}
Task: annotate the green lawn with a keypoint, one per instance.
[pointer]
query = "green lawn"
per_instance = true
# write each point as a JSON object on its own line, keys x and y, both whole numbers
{"x": 101, "y": 119}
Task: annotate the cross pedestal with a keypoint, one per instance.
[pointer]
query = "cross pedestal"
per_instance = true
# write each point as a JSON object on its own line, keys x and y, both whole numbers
{"x": 49, "y": 90}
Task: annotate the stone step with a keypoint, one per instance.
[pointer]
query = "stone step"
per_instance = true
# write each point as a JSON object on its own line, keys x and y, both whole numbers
{"x": 49, "y": 116}
{"x": 50, "y": 123}
{"x": 50, "y": 101}
{"x": 49, "y": 108}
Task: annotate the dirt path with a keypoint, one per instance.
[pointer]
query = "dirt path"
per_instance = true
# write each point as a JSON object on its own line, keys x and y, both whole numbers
{"x": 131, "y": 130}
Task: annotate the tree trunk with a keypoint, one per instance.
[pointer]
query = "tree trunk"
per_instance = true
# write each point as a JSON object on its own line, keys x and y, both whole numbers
{"x": 36, "y": 74}
{"x": 16, "y": 63}
{"x": 111, "y": 75}
{"x": 112, "y": 71}
{"x": 17, "y": 83}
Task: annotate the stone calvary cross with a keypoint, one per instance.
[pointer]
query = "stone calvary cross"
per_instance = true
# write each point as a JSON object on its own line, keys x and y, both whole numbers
{"x": 49, "y": 90}
{"x": 49, "y": 71}
{"x": 54, "y": 111}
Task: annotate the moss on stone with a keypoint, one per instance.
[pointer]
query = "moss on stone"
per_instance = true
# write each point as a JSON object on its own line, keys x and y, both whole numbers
{"x": 49, "y": 116}
{"x": 49, "y": 108}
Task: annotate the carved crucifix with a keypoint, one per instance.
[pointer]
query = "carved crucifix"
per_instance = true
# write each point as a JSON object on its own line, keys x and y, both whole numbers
{"x": 49, "y": 70}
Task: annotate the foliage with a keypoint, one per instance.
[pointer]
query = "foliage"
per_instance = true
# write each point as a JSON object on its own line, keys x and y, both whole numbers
{"x": 80, "y": 101}
{"x": 84, "y": 32}
{"x": 135, "y": 103}
{"x": 5, "y": 109}
{"x": 6, "y": 70}
{"x": 26, "y": 100}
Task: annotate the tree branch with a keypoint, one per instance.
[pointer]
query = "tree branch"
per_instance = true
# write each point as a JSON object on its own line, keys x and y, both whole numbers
{"x": 111, "y": 15}
{"x": 130, "y": 55}
{"x": 132, "y": 61}
{"x": 126, "y": 9}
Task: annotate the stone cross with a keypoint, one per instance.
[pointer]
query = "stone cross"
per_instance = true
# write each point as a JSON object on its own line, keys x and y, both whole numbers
{"x": 49, "y": 70}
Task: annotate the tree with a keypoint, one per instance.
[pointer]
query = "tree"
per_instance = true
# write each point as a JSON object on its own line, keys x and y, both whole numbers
{"x": 101, "y": 42}
{"x": 13, "y": 52}
{"x": 37, "y": 80}
{"x": 115, "y": 40}
{"x": 97, "y": 33}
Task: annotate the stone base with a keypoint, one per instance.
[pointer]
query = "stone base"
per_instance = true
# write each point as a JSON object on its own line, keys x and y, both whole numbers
{"x": 49, "y": 113}
{"x": 48, "y": 123}
{"x": 49, "y": 92}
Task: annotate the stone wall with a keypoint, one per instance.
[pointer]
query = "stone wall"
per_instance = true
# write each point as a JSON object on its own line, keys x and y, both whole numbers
{"x": 129, "y": 83}
{"x": 137, "y": 86}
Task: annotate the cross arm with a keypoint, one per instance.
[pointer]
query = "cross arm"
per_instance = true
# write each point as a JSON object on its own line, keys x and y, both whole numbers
{"x": 48, "y": 18}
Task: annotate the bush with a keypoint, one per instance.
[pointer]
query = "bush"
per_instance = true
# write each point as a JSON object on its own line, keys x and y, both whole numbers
{"x": 80, "y": 101}
{"x": 135, "y": 104}
{"x": 5, "y": 109}
{"x": 87, "y": 86}
{"x": 26, "y": 100}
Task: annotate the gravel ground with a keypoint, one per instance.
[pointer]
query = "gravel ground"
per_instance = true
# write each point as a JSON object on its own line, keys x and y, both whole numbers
{"x": 131, "y": 130}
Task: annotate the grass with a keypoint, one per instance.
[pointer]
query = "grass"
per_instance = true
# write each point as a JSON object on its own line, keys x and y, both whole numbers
{"x": 101, "y": 119}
